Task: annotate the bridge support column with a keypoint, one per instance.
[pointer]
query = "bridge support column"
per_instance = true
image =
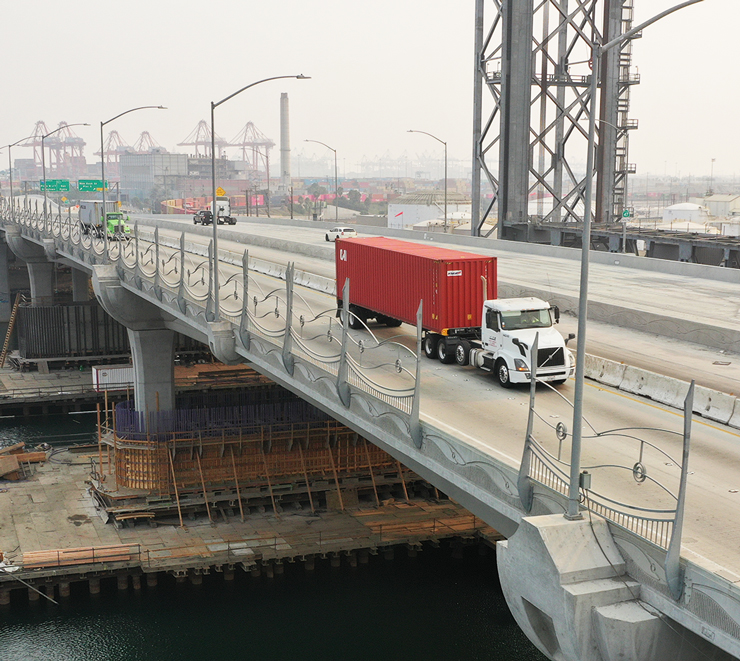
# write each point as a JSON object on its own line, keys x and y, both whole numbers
{"x": 152, "y": 342}
{"x": 153, "y": 353}
{"x": 80, "y": 286}
{"x": 5, "y": 303}
{"x": 41, "y": 275}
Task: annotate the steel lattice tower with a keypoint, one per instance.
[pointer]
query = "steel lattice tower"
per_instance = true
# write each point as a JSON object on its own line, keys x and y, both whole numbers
{"x": 534, "y": 59}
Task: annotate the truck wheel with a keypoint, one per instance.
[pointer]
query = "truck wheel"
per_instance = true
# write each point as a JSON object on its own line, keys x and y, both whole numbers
{"x": 356, "y": 322}
{"x": 502, "y": 374}
{"x": 559, "y": 382}
{"x": 445, "y": 351}
{"x": 392, "y": 323}
{"x": 430, "y": 345}
{"x": 462, "y": 353}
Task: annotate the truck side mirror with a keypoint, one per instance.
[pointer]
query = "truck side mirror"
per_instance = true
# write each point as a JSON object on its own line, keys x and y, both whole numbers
{"x": 556, "y": 310}
{"x": 571, "y": 336}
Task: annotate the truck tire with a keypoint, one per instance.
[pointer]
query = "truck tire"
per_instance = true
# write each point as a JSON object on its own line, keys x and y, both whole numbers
{"x": 430, "y": 345}
{"x": 445, "y": 351}
{"x": 462, "y": 353}
{"x": 356, "y": 322}
{"x": 392, "y": 323}
{"x": 502, "y": 373}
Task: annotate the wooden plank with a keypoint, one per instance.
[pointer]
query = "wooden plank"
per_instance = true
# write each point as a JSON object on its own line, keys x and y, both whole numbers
{"x": 8, "y": 464}
{"x": 13, "y": 449}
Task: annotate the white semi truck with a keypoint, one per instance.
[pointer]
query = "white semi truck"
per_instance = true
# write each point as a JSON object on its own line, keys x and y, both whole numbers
{"x": 91, "y": 219}
{"x": 221, "y": 210}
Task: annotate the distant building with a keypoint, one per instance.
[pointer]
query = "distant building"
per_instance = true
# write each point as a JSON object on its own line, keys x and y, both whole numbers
{"x": 687, "y": 211}
{"x": 723, "y": 206}
{"x": 413, "y": 208}
{"x": 140, "y": 173}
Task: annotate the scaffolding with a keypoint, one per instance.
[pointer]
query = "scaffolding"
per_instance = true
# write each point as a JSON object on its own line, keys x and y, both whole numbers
{"x": 532, "y": 143}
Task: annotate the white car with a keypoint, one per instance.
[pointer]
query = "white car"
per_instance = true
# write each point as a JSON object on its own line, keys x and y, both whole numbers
{"x": 340, "y": 233}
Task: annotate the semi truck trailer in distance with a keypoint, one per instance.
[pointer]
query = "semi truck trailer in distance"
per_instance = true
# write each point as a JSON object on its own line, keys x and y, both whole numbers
{"x": 91, "y": 219}
{"x": 460, "y": 323}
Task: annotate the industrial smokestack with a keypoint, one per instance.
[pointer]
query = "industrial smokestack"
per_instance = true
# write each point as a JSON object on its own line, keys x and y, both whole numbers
{"x": 285, "y": 178}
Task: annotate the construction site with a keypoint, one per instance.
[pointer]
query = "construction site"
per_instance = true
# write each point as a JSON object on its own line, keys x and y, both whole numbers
{"x": 247, "y": 477}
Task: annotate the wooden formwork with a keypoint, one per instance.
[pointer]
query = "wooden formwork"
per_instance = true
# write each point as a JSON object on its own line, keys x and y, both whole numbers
{"x": 246, "y": 458}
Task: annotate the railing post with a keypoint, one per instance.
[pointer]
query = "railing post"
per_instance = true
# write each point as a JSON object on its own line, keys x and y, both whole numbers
{"x": 244, "y": 321}
{"x": 414, "y": 424}
{"x": 210, "y": 303}
{"x": 157, "y": 277}
{"x": 673, "y": 571}
{"x": 137, "y": 271}
{"x": 181, "y": 287}
{"x": 288, "y": 360}
{"x": 524, "y": 484}
{"x": 342, "y": 385}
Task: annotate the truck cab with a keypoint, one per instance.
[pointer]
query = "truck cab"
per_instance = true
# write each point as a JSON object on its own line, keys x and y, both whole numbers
{"x": 117, "y": 226}
{"x": 508, "y": 330}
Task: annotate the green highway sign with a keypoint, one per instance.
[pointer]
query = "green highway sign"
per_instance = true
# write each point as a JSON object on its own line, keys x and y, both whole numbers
{"x": 89, "y": 185}
{"x": 626, "y": 213}
{"x": 55, "y": 185}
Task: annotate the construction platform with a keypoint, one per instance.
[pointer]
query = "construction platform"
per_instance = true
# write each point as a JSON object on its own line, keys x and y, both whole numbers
{"x": 52, "y": 530}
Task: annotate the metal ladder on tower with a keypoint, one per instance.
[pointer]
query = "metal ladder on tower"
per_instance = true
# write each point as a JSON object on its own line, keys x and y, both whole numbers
{"x": 11, "y": 323}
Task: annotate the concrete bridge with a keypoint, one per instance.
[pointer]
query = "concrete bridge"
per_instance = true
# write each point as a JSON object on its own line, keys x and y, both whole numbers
{"x": 610, "y": 586}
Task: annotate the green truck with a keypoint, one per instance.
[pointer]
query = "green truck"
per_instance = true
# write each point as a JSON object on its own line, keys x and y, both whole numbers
{"x": 91, "y": 220}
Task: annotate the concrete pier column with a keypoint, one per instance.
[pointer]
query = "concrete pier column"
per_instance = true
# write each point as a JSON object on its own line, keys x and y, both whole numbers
{"x": 413, "y": 552}
{"x": 180, "y": 578}
{"x": 335, "y": 560}
{"x": 269, "y": 570}
{"x": 41, "y": 276}
{"x": 364, "y": 556}
{"x": 34, "y": 596}
{"x": 122, "y": 581}
{"x": 4, "y": 597}
{"x": 151, "y": 580}
{"x": 352, "y": 557}
{"x": 94, "y": 584}
{"x": 309, "y": 563}
{"x": 152, "y": 342}
{"x": 6, "y": 304}
{"x": 64, "y": 590}
{"x": 279, "y": 568}
{"x": 136, "y": 582}
{"x": 196, "y": 579}
{"x": 389, "y": 553}
{"x": 153, "y": 356}
{"x": 228, "y": 575}
{"x": 80, "y": 286}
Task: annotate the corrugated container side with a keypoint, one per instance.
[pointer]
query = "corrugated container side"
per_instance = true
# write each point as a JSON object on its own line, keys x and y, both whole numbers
{"x": 391, "y": 277}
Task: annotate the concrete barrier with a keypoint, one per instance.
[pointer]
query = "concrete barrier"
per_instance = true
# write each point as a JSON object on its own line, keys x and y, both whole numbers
{"x": 708, "y": 403}
{"x": 713, "y": 404}
{"x": 604, "y": 371}
{"x": 657, "y": 387}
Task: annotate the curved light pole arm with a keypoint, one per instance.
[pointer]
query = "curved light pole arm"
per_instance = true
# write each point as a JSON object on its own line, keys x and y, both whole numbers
{"x": 445, "y": 145}
{"x": 102, "y": 160}
{"x": 216, "y": 294}
{"x": 300, "y": 76}
{"x": 573, "y": 511}
{"x": 336, "y": 178}
{"x": 43, "y": 161}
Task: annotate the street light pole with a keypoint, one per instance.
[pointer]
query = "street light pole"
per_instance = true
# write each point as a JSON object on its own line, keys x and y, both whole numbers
{"x": 573, "y": 511}
{"x": 445, "y": 146}
{"x": 102, "y": 160}
{"x": 216, "y": 297}
{"x": 10, "y": 174}
{"x": 336, "y": 179}
{"x": 43, "y": 162}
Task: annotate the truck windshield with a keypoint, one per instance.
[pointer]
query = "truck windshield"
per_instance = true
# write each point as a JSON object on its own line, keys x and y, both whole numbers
{"x": 522, "y": 319}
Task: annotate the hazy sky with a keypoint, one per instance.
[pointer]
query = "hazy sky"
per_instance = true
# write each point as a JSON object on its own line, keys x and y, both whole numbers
{"x": 378, "y": 68}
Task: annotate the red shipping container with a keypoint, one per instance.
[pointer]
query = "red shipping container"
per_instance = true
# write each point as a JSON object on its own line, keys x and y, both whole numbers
{"x": 390, "y": 277}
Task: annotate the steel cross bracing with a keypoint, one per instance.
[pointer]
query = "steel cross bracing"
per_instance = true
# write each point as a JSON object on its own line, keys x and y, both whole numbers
{"x": 534, "y": 58}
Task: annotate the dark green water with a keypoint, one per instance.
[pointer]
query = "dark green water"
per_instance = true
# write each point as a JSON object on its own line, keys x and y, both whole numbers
{"x": 431, "y": 608}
